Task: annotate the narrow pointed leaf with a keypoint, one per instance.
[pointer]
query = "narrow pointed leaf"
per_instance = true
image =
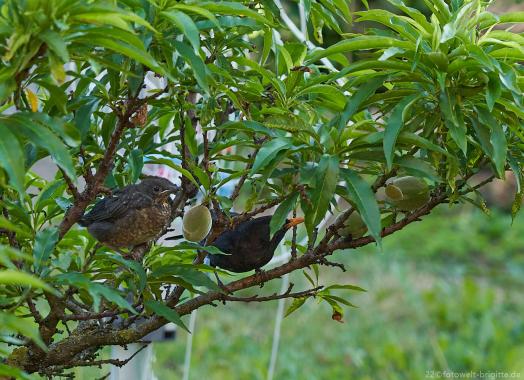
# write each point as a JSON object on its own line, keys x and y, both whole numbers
{"x": 165, "y": 312}
{"x": 365, "y": 202}
{"x": 394, "y": 126}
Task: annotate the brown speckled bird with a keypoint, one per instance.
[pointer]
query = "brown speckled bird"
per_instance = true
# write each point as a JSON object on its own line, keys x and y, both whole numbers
{"x": 133, "y": 215}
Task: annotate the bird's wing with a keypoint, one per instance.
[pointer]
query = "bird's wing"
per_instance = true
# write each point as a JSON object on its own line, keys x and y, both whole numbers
{"x": 116, "y": 206}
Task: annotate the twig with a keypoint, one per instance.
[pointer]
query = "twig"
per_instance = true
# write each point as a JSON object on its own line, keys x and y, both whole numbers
{"x": 89, "y": 316}
{"x": 87, "y": 363}
{"x": 294, "y": 238}
{"x": 478, "y": 186}
{"x": 32, "y": 307}
{"x": 205, "y": 161}
{"x": 240, "y": 183}
{"x": 287, "y": 294}
{"x": 323, "y": 261}
{"x": 248, "y": 215}
{"x": 92, "y": 187}
{"x": 11, "y": 236}
{"x": 88, "y": 175}
{"x": 72, "y": 188}
{"x": 413, "y": 217}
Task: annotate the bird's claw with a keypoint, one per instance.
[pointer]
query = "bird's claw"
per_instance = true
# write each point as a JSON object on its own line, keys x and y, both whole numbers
{"x": 221, "y": 285}
{"x": 260, "y": 273}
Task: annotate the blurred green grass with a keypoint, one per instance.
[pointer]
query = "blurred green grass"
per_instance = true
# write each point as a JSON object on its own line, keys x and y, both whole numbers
{"x": 445, "y": 294}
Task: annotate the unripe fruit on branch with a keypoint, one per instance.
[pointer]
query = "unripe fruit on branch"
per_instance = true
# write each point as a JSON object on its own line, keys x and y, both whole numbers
{"x": 354, "y": 226}
{"x": 439, "y": 59}
{"x": 407, "y": 193}
{"x": 196, "y": 223}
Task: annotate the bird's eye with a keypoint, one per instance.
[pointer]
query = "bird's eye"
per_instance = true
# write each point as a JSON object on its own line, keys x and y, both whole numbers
{"x": 156, "y": 189}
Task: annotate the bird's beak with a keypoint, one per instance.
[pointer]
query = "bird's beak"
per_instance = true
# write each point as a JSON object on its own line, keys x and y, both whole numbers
{"x": 293, "y": 222}
{"x": 173, "y": 190}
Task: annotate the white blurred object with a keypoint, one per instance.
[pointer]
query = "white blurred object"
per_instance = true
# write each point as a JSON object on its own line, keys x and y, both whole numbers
{"x": 138, "y": 368}
{"x": 189, "y": 346}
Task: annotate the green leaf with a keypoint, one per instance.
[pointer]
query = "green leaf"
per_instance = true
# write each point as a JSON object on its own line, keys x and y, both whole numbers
{"x": 16, "y": 277}
{"x": 171, "y": 164}
{"x": 95, "y": 289}
{"x": 297, "y": 302}
{"x": 83, "y": 116}
{"x": 186, "y": 25}
{"x": 132, "y": 265}
{"x": 494, "y": 91}
{"x": 22, "y": 326}
{"x": 45, "y": 139}
{"x": 365, "y": 202}
{"x": 111, "y": 16}
{"x": 419, "y": 168}
{"x": 497, "y": 140}
{"x": 358, "y": 97}
{"x": 324, "y": 186}
{"x": 268, "y": 151}
{"x": 412, "y": 138}
{"x": 511, "y": 17}
{"x": 136, "y": 163}
{"x": 165, "y": 312}
{"x": 195, "y": 62}
{"x": 198, "y": 10}
{"x": 359, "y": 43}
{"x": 56, "y": 43}
{"x": 45, "y": 242}
{"x": 394, "y": 125}
{"x": 20, "y": 229}
{"x": 281, "y": 213}
{"x": 49, "y": 191}
{"x": 187, "y": 245}
{"x": 123, "y": 47}
{"x": 346, "y": 287}
{"x": 202, "y": 176}
{"x": 231, "y": 8}
{"x": 14, "y": 373}
{"x": 12, "y": 159}
{"x": 191, "y": 275}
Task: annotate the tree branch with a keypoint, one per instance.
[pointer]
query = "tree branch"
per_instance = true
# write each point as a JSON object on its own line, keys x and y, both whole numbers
{"x": 275, "y": 296}
{"x": 87, "y": 363}
{"x": 72, "y": 188}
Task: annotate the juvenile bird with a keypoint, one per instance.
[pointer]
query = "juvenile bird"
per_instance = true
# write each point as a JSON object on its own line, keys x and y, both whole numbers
{"x": 133, "y": 215}
{"x": 248, "y": 245}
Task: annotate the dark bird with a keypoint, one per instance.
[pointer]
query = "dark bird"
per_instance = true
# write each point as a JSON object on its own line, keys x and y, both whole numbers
{"x": 248, "y": 245}
{"x": 133, "y": 215}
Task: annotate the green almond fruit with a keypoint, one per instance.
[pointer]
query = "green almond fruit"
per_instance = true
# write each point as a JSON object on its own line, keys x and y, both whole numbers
{"x": 197, "y": 223}
{"x": 407, "y": 193}
{"x": 394, "y": 192}
{"x": 354, "y": 226}
{"x": 439, "y": 59}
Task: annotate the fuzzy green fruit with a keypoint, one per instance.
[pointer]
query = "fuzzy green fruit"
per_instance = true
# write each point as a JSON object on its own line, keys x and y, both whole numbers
{"x": 354, "y": 226}
{"x": 439, "y": 59}
{"x": 196, "y": 223}
{"x": 407, "y": 193}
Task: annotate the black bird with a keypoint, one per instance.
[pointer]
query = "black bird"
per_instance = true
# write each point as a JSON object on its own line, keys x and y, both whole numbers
{"x": 248, "y": 245}
{"x": 133, "y": 215}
